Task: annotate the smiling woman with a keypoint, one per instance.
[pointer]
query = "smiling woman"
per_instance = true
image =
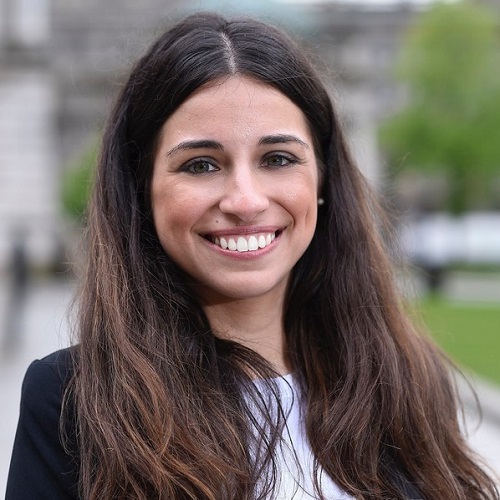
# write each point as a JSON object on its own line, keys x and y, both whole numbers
{"x": 239, "y": 334}
{"x": 251, "y": 167}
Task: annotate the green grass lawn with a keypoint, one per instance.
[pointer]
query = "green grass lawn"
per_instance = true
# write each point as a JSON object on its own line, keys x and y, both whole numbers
{"x": 469, "y": 333}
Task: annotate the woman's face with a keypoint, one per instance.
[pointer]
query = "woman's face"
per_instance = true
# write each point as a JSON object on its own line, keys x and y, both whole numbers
{"x": 234, "y": 189}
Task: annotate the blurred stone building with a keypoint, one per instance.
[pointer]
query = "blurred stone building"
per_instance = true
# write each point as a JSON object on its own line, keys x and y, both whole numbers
{"x": 62, "y": 61}
{"x": 28, "y": 95}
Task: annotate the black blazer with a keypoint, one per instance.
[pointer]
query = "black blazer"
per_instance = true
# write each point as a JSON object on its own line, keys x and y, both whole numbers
{"x": 40, "y": 467}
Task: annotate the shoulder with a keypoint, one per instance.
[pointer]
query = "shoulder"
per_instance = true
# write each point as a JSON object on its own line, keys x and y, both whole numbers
{"x": 46, "y": 380}
{"x": 56, "y": 367}
{"x": 53, "y": 467}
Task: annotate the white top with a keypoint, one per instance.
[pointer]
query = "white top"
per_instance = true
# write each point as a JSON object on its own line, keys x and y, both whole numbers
{"x": 295, "y": 457}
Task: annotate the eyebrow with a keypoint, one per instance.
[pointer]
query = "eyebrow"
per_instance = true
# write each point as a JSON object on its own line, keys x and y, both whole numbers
{"x": 282, "y": 139}
{"x": 195, "y": 144}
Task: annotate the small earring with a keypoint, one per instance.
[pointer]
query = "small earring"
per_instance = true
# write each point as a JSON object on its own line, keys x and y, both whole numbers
{"x": 321, "y": 201}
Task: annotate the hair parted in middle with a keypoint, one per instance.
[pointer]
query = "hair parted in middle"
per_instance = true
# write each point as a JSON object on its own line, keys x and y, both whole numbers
{"x": 159, "y": 395}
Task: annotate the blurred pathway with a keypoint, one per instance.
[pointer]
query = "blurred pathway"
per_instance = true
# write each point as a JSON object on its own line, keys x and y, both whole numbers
{"x": 44, "y": 329}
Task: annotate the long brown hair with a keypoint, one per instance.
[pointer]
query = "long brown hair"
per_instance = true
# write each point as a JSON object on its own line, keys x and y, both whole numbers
{"x": 164, "y": 406}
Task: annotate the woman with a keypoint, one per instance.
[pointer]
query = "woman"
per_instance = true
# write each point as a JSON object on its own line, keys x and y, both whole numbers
{"x": 239, "y": 335}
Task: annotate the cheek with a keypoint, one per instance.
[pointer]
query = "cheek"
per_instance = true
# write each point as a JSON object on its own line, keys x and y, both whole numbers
{"x": 300, "y": 196}
{"x": 164, "y": 207}
{"x": 305, "y": 203}
{"x": 175, "y": 212}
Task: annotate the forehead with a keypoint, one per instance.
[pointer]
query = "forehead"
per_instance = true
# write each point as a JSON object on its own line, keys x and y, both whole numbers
{"x": 236, "y": 105}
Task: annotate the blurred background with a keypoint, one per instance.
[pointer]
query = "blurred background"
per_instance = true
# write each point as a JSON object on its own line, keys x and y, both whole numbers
{"x": 418, "y": 87}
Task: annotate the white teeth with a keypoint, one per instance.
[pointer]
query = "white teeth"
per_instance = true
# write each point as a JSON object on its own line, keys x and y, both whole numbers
{"x": 245, "y": 243}
{"x": 253, "y": 244}
{"x": 242, "y": 245}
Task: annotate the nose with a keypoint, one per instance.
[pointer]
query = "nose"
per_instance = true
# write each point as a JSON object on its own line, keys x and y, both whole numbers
{"x": 244, "y": 195}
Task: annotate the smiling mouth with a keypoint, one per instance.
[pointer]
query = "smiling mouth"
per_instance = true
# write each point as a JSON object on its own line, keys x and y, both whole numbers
{"x": 244, "y": 243}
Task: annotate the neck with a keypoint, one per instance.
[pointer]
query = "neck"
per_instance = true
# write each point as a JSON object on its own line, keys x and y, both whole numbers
{"x": 256, "y": 323}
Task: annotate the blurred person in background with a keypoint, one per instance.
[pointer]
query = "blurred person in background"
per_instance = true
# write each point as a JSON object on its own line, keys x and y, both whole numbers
{"x": 239, "y": 333}
{"x": 19, "y": 277}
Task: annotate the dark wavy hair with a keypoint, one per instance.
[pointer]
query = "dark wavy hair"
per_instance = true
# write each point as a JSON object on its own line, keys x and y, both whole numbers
{"x": 162, "y": 403}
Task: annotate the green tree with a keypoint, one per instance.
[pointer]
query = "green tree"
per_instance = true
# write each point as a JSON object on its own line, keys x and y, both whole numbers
{"x": 451, "y": 65}
{"x": 76, "y": 184}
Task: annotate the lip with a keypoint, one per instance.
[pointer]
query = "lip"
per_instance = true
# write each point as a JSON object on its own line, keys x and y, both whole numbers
{"x": 235, "y": 231}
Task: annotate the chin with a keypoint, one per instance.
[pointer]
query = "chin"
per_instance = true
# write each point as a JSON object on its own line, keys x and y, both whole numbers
{"x": 245, "y": 290}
